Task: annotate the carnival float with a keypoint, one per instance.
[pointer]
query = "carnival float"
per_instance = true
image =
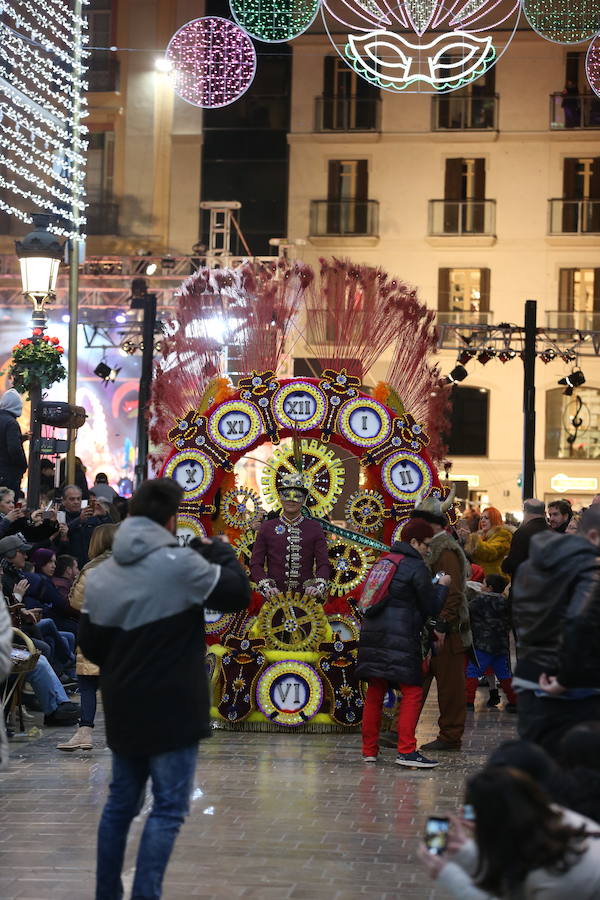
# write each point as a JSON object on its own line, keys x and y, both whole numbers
{"x": 238, "y": 445}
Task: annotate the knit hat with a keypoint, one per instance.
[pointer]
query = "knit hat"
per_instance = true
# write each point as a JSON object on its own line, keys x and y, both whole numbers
{"x": 417, "y": 529}
{"x": 12, "y": 402}
{"x": 40, "y": 557}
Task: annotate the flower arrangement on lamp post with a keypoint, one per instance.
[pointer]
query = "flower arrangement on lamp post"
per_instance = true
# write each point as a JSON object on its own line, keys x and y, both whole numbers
{"x": 36, "y": 363}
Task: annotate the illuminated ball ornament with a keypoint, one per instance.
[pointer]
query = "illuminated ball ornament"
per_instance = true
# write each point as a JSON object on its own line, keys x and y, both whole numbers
{"x": 421, "y": 46}
{"x": 563, "y": 21}
{"x": 214, "y": 62}
{"x": 592, "y": 65}
{"x": 273, "y": 21}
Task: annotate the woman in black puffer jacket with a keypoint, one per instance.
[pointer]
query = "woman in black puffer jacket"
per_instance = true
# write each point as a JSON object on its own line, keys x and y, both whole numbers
{"x": 389, "y": 652}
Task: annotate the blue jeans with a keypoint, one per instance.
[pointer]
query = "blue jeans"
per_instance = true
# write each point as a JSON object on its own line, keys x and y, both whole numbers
{"x": 48, "y": 690}
{"x": 88, "y": 685}
{"x": 172, "y": 777}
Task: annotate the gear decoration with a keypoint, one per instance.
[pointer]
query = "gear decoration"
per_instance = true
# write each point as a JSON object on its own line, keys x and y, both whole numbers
{"x": 292, "y": 622}
{"x": 240, "y": 507}
{"x": 243, "y": 547}
{"x": 365, "y": 511}
{"x": 350, "y": 564}
{"x": 323, "y": 474}
{"x": 289, "y": 693}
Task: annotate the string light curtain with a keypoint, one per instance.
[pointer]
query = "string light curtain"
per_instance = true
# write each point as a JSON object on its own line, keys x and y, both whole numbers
{"x": 42, "y": 148}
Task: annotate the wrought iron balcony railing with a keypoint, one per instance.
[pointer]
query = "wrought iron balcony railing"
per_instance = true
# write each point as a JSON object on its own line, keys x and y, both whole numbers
{"x": 574, "y": 216}
{"x": 345, "y": 218}
{"x": 574, "y": 111}
{"x": 347, "y": 114}
{"x": 460, "y": 217}
{"x": 455, "y": 113}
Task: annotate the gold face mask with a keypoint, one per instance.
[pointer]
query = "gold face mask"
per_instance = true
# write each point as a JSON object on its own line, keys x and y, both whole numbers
{"x": 293, "y": 494}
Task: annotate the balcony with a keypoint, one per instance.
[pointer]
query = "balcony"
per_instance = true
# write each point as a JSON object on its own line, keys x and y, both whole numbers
{"x": 573, "y": 216}
{"x": 462, "y": 317}
{"x": 103, "y": 72}
{"x": 462, "y": 217}
{"x": 573, "y": 320}
{"x": 347, "y": 114}
{"x": 456, "y": 113}
{"x": 102, "y": 218}
{"x": 344, "y": 218}
{"x": 574, "y": 111}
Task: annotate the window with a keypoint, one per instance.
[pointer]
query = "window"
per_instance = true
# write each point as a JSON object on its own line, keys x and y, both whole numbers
{"x": 464, "y": 193}
{"x": 579, "y": 290}
{"x": 469, "y": 422}
{"x": 347, "y": 193}
{"x": 465, "y": 293}
{"x": 349, "y": 103}
{"x": 473, "y": 106}
{"x": 581, "y": 194}
{"x": 573, "y": 424}
{"x": 103, "y": 68}
{"x": 99, "y": 170}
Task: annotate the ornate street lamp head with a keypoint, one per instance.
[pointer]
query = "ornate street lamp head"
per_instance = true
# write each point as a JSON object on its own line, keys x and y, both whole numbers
{"x": 39, "y": 253}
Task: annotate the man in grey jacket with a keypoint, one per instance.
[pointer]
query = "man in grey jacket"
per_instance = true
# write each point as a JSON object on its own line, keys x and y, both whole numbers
{"x": 142, "y": 623}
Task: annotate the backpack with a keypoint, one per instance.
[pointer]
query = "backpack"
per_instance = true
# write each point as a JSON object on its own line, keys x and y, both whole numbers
{"x": 375, "y": 588}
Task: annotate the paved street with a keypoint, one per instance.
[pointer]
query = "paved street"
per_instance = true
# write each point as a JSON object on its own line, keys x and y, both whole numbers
{"x": 273, "y": 816}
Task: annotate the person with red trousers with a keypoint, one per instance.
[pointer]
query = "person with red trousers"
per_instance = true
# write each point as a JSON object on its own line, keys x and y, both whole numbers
{"x": 390, "y": 646}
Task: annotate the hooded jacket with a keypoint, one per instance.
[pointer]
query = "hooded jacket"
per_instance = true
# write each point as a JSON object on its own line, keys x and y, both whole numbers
{"x": 142, "y": 622}
{"x": 390, "y": 637}
{"x": 560, "y": 577}
{"x": 13, "y": 462}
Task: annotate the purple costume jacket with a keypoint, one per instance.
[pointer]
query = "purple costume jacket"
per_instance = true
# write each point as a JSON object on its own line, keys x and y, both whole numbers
{"x": 294, "y": 557}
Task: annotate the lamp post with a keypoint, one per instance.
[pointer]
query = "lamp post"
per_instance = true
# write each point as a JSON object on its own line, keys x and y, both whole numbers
{"x": 142, "y": 299}
{"x": 39, "y": 253}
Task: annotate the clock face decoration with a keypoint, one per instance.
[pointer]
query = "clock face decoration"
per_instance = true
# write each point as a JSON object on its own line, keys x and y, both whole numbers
{"x": 423, "y": 46}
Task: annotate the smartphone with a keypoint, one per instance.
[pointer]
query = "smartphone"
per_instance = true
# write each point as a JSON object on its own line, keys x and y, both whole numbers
{"x": 84, "y": 503}
{"x": 468, "y": 813}
{"x": 61, "y": 517}
{"x": 436, "y": 834}
{"x": 46, "y": 515}
{"x": 437, "y": 577}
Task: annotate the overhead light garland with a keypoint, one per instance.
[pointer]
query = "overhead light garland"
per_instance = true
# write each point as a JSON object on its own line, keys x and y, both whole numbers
{"x": 214, "y": 62}
{"x": 563, "y": 21}
{"x": 274, "y": 21}
{"x": 42, "y": 144}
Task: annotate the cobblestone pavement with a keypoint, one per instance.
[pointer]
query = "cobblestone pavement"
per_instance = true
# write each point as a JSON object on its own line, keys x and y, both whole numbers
{"x": 273, "y": 816}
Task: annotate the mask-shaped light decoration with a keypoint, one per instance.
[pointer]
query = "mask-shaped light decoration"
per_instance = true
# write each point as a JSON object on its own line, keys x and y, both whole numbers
{"x": 421, "y": 46}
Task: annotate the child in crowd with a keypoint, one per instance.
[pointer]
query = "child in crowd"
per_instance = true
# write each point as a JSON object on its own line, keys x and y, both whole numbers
{"x": 490, "y": 626}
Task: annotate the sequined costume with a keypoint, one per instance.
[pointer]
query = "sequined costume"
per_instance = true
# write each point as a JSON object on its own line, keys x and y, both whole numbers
{"x": 291, "y": 556}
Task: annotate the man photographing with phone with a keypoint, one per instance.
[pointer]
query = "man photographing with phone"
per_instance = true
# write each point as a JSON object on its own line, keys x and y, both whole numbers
{"x": 80, "y": 521}
{"x": 142, "y": 622}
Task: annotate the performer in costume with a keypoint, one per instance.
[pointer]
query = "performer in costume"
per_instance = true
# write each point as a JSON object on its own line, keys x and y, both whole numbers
{"x": 290, "y": 552}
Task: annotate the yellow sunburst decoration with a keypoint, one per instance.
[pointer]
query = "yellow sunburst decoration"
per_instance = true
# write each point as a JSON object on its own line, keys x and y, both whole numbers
{"x": 323, "y": 472}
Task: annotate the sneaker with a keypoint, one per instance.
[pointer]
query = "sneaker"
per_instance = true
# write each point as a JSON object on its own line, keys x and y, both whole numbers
{"x": 369, "y": 759}
{"x": 415, "y": 760}
{"x": 510, "y": 708}
{"x": 440, "y": 744}
{"x": 494, "y": 699}
{"x": 470, "y": 706}
{"x": 64, "y": 714}
{"x": 483, "y": 682}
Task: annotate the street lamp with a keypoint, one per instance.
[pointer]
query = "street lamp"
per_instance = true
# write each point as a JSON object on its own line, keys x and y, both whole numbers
{"x": 39, "y": 253}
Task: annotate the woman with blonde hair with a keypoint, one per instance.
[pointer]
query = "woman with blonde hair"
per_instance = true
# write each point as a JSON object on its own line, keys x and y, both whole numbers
{"x": 488, "y": 546}
{"x": 88, "y": 674}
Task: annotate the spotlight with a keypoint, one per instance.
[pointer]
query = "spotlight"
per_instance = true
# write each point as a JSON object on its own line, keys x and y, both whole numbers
{"x": 128, "y": 347}
{"x": 568, "y": 356}
{"x": 151, "y": 268}
{"x": 121, "y": 318}
{"x": 548, "y": 355}
{"x": 66, "y": 318}
{"x": 168, "y": 262}
{"x": 458, "y": 373}
{"x": 465, "y": 356}
{"x": 507, "y": 354}
{"x": 485, "y": 355}
{"x": 573, "y": 380}
{"x": 106, "y": 373}
{"x": 162, "y": 64}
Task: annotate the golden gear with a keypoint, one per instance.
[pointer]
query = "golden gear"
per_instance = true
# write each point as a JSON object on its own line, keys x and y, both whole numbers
{"x": 365, "y": 511}
{"x": 243, "y": 547}
{"x": 350, "y": 564}
{"x": 323, "y": 474}
{"x": 240, "y": 507}
{"x": 292, "y": 622}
